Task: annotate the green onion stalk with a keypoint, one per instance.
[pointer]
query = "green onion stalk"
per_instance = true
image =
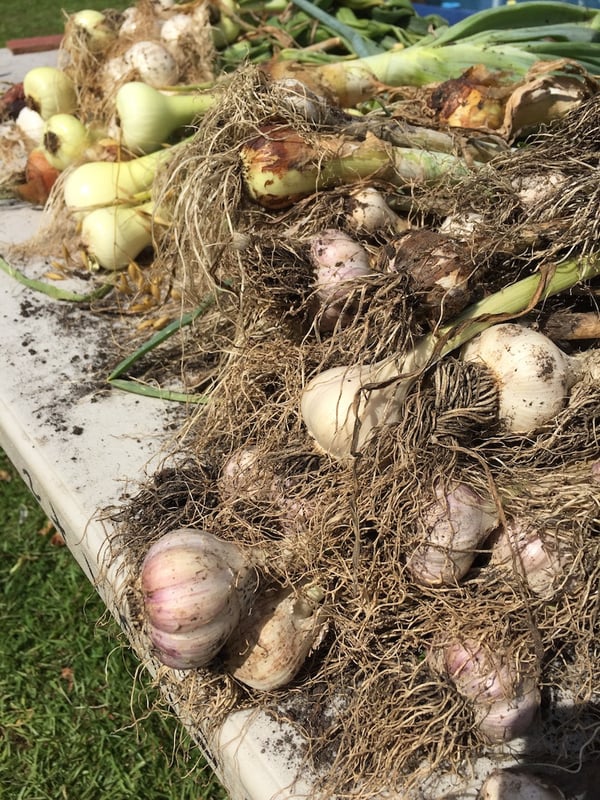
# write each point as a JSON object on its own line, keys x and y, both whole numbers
{"x": 280, "y": 166}
{"x": 344, "y": 405}
{"x": 509, "y": 39}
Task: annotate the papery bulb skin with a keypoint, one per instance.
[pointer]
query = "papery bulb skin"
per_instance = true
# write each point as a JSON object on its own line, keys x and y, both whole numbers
{"x": 191, "y": 650}
{"x": 455, "y": 526}
{"x": 195, "y": 587}
{"x": 270, "y": 646}
{"x": 532, "y": 374}
{"x": 153, "y": 64}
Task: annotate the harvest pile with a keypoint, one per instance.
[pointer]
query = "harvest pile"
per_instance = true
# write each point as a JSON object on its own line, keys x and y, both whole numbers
{"x": 391, "y": 495}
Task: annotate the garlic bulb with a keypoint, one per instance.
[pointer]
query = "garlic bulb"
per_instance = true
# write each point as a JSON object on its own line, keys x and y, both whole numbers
{"x": 338, "y": 260}
{"x": 152, "y": 63}
{"x": 505, "y": 699}
{"x": 369, "y": 212}
{"x": 31, "y": 124}
{"x": 272, "y": 643}
{"x": 535, "y": 554}
{"x": 456, "y": 524}
{"x": 134, "y": 22}
{"x": 504, "y": 784}
{"x": 245, "y": 476}
{"x": 533, "y": 375}
{"x": 195, "y": 588}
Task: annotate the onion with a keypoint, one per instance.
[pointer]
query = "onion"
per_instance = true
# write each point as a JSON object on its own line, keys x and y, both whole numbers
{"x": 49, "y": 91}
{"x": 40, "y": 177}
{"x": 114, "y": 236}
{"x": 456, "y": 524}
{"x": 533, "y": 375}
{"x": 100, "y": 183}
{"x": 65, "y": 140}
{"x": 147, "y": 118}
{"x": 99, "y": 34}
{"x": 195, "y": 588}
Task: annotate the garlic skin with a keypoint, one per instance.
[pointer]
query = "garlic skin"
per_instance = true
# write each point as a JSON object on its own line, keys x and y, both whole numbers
{"x": 534, "y": 554}
{"x": 533, "y": 375}
{"x": 505, "y": 700}
{"x": 517, "y": 785}
{"x": 272, "y": 643}
{"x": 195, "y": 587}
{"x": 455, "y": 525}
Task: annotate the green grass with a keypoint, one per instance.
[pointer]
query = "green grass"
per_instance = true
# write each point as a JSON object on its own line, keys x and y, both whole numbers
{"x": 74, "y": 719}
{"x": 19, "y": 20}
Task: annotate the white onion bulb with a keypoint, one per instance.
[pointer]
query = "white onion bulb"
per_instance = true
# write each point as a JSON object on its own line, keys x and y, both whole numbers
{"x": 532, "y": 374}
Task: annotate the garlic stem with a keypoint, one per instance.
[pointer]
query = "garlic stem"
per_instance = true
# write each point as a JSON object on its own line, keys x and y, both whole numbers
{"x": 343, "y": 405}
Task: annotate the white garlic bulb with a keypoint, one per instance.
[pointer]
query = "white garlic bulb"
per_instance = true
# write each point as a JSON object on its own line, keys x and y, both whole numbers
{"x": 517, "y": 785}
{"x": 339, "y": 261}
{"x": 152, "y": 63}
{"x": 368, "y": 211}
{"x": 534, "y": 554}
{"x": 244, "y": 476}
{"x": 272, "y": 643}
{"x": 456, "y": 525}
{"x": 195, "y": 588}
{"x": 505, "y": 698}
{"x": 532, "y": 374}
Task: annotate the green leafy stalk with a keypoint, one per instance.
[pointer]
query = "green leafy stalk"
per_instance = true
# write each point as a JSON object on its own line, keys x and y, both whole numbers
{"x": 55, "y": 292}
{"x": 157, "y": 339}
